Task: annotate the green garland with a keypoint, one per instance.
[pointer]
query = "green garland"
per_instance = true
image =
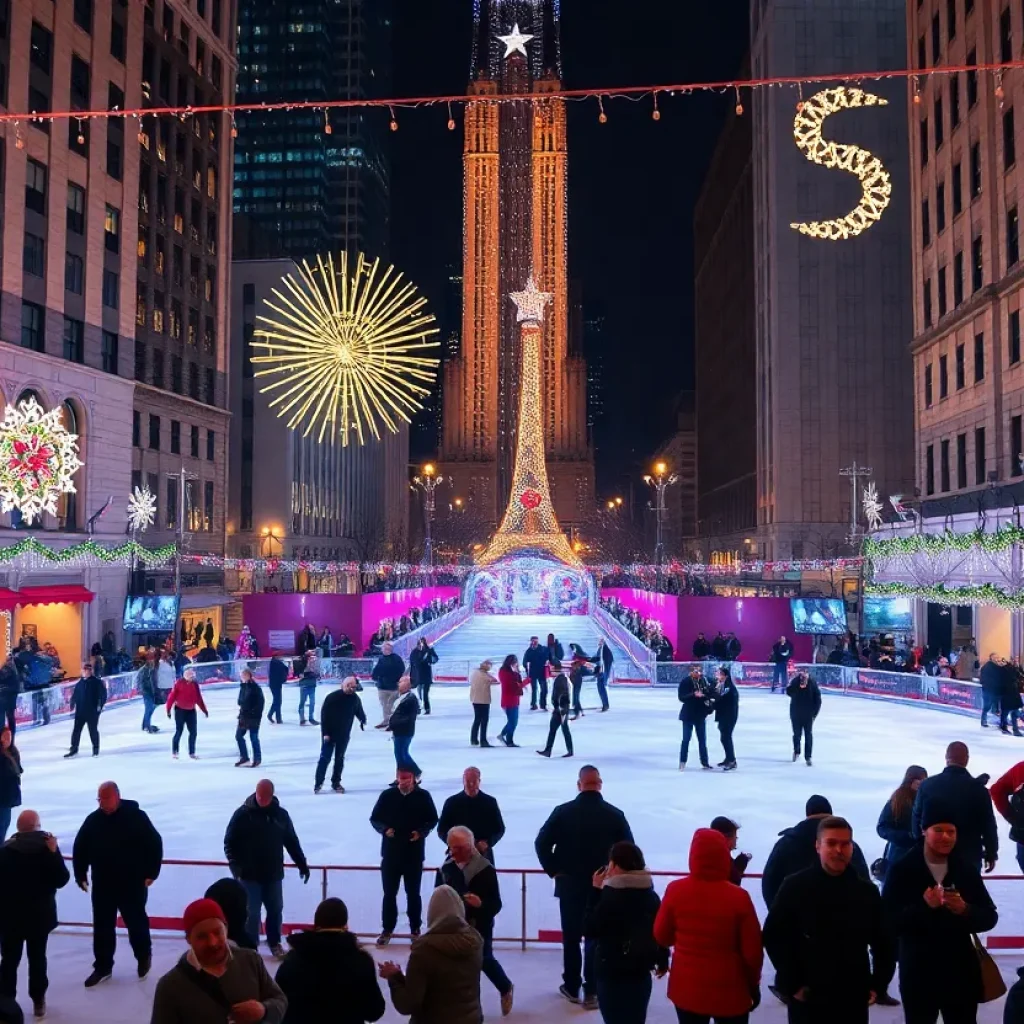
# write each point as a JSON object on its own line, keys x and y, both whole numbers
{"x": 943, "y": 543}
{"x": 985, "y": 593}
{"x": 86, "y": 551}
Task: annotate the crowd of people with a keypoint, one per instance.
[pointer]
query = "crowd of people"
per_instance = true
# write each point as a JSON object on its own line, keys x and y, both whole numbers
{"x": 647, "y": 630}
{"x": 393, "y": 627}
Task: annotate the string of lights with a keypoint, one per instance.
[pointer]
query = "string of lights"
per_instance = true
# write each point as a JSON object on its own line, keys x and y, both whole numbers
{"x": 635, "y": 93}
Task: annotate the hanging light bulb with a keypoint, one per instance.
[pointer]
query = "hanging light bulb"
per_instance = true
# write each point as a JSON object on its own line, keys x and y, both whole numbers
{"x": 739, "y": 104}
{"x": 602, "y": 117}
{"x": 19, "y": 142}
{"x": 394, "y": 120}
{"x": 917, "y": 93}
{"x": 234, "y": 128}
{"x": 451, "y": 120}
{"x": 328, "y": 130}
{"x": 999, "y": 88}
{"x": 81, "y": 134}
{"x": 656, "y": 113}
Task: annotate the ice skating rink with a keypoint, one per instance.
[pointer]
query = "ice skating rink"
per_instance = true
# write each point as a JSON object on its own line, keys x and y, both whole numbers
{"x": 862, "y": 748}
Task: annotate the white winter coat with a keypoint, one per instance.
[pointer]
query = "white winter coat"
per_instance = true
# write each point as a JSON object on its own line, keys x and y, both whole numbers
{"x": 480, "y": 683}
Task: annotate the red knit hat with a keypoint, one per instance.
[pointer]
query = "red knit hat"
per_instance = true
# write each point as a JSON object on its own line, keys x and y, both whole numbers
{"x": 201, "y": 910}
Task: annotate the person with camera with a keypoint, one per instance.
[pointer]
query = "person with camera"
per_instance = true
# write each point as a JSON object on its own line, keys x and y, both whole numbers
{"x": 696, "y": 696}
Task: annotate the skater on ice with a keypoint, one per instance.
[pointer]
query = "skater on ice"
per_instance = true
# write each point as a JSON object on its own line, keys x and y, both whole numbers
{"x": 727, "y": 711}
{"x": 402, "y": 726}
{"x": 250, "y": 717}
{"x": 782, "y": 651}
{"x": 559, "y": 714}
{"x": 512, "y": 687}
{"x": 340, "y": 710}
{"x": 307, "y": 686}
{"x": 87, "y": 700}
{"x": 605, "y": 660}
{"x": 388, "y": 670}
{"x": 277, "y": 676}
{"x": 804, "y": 706}
{"x": 696, "y": 695}
{"x": 184, "y": 698}
{"x": 535, "y": 662}
{"x": 481, "y": 684}
{"x": 476, "y": 810}
{"x": 421, "y": 671}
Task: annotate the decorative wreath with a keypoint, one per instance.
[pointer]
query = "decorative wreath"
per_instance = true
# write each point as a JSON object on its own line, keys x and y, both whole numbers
{"x": 530, "y": 499}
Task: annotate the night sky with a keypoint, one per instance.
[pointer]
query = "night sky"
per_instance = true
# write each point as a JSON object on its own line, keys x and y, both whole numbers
{"x": 633, "y": 183}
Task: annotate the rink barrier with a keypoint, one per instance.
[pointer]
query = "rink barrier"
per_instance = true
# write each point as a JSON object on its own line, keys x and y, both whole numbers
{"x": 364, "y": 901}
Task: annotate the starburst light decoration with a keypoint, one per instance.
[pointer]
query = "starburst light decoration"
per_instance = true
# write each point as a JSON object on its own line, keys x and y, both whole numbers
{"x": 872, "y": 507}
{"x": 141, "y": 510}
{"x": 38, "y": 458}
{"x": 348, "y": 350}
{"x": 875, "y": 180}
{"x": 515, "y": 41}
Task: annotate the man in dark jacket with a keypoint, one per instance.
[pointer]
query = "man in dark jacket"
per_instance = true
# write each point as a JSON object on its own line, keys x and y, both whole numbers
{"x": 386, "y": 673}
{"x": 339, "y": 711}
{"x": 571, "y": 845}
{"x": 535, "y": 661}
{"x": 605, "y": 659}
{"x": 796, "y": 850}
{"x": 701, "y": 648}
{"x": 31, "y": 871}
{"x": 732, "y": 647}
{"x": 229, "y": 894}
{"x": 327, "y": 976}
{"x": 804, "y": 707}
{"x": 257, "y": 836}
{"x": 819, "y": 932}
{"x": 991, "y": 679}
{"x": 277, "y": 676}
{"x": 477, "y": 811}
{"x": 694, "y": 693}
{"x": 719, "y": 650}
{"x": 969, "y": 805}
{"x": 14, "y": 671}
{"x": 87, "y": 700}
{"x": 782, "y": 651}
{"x": 473, "y": 877}
{"x": 404, "y": 815}
{"x": 402, "y": 726}
{"x": 124, "y": 851}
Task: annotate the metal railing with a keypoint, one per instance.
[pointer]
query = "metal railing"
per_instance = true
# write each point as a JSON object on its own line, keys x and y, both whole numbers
{"x": 433, "y": 631}
{"x": 639, "y": 653}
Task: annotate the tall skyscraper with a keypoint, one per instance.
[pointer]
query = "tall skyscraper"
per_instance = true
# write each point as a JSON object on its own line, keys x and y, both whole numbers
{"x": 515, "y": 225}
{"x": 833, "y": 317}
{"x": 318, "y": 182}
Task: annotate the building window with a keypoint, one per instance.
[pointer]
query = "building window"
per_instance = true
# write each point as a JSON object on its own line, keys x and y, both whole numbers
{"x": 951, "y": 20}
{"x": 972, "y": 78}
{"x": 1016, "y": 447}
{"x": 154, "y": 433}
{"x": 176, "y": 375}
{"x": 943, "y": 378}
{"x": 940, "y": 207}
{"x": 944, "y": 466}
{"x": 210, "y": 386}
{"x": 83, "y": 14}
{"x": 111, "y": 289}
{"x": 958, "y": 191}
{"x": 117, "y": 40}
{"x": 954, "y": 101}
{"x": 926, "y": 225}
{"x": 112, "y": 229}
{"x": 961, "y": 461}
{"x": 1009, "y": 140}
{"x": 140, "y": 360}
{"x": 977, "y": 264}
{"x": 74, "y": 273}
{"x": 33, "y": 255}
{"x": 173, "y": 486}
{"x": 32, "y": 321}
{"x": 208, "y": 505}
{"x": 927, "y": 303}
{"x": 136, "y": 428}
{"x": 960, "y": 368}
{"x": 109, "y": 352}
{"x": 940, "y": 133}
{"x": 1014, "y": 337}
{"x": 193, "y": 381}
{"x": 1012, "y": 237}
{"x": 175, "y": 437}
{"x": 979, "y": 455}
{"x": 958, "y": 278}
{"x": 942, "y": 291}
{"x": 194, "y": 442}
{"x": 74, "y": 340}
{"x": 114, "y": 159}
{"x": 76, "y": 209}
{"x": 936, "y": 39}
{"x": 40, "y": 50}
{"x": 924, "y": 141}
{"x": 979, "y": 358}
{"x": 975, "y": 170}
{"x": 1005, "y": 37}
{"x": 35, "y": 186}
{"x": 928, "y": 396}
{"x": 929, "y": 469}
{"x": 210, "y": 436}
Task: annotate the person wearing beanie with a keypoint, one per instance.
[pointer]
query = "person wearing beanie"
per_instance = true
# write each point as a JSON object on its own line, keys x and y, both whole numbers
{"x": 232, "y": 898}
{"x": 827, "y": 935}
{"x": 215, "y": 981}
{"x": 441, "y": 982}
{"x": 936, "y": 902}
{"x": 327, "y": 975}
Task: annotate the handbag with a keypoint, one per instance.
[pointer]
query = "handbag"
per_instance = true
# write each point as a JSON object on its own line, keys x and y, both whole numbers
{"x": 992, "y": 984}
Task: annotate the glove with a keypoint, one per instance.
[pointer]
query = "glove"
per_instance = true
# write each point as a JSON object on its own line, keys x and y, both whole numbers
{"x": 304, "y": 875}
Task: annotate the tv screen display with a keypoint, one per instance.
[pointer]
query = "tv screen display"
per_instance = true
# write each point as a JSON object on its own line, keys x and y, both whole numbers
{"x": 150, "y": 614}
{"x": 822, "y": 615}
{"x": 888, "y": 615}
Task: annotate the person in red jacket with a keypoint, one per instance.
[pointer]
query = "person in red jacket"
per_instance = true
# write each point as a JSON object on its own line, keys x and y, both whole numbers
{"x": 512, "y": 687}
{"x": 1001, "y": 791}
{"x": 185, "y": 697}
{"x": 712, "y": 928}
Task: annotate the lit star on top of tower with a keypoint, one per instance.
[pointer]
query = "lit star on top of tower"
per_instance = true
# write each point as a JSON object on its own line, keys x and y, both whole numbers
{"x": 530, "y": 303}
{"x": 515, "y": 42}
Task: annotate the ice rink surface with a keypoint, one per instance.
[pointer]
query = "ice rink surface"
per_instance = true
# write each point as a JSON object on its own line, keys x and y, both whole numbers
{"x": 862, "y": 748}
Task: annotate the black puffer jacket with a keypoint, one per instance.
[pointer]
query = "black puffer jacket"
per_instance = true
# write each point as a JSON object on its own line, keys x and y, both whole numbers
{"x": 620, "y": 917}
{"x": 256, "y": 840}
{"x": 804, "y": 701}
{"x": 250, "y": 705}
{"x": 30, "y": 876}
{"x": 10, "y": 778}
{"x": 123, "y": 849}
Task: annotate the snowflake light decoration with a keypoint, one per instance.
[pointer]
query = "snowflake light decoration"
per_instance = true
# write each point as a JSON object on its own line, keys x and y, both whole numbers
{"x": 38, "y": 458}
{"x": 141, "y": 509}
{"x": 872, "y": 507}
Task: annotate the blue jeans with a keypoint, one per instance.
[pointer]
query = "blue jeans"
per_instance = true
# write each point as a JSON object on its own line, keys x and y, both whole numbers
{"x": 700, "y": 727}
{"x": 624, "y": 1000}
{"x": 254, "y": 735}
{"x": 264, "y": 894}
{"x": 149, "y": 706}
{"x": 602, "y": 689}
{"x": 5, "y": 822}
{"x": 1020, "y": 855}
{"x": 274, "y": 714}
{"x": 511, "y": 721}
{"x": 779, "y": 676}
{"x": 403, "y": 759}
{"x": 307, "y": 693}
{"x": 492, "y": 970}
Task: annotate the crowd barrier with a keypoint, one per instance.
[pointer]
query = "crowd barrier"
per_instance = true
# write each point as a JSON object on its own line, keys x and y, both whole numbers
{"x": 529, "y": 915}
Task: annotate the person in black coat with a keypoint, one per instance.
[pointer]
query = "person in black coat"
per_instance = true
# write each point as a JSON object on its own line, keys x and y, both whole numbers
{"x": 277, "y": 676}
{"x": 250, "y": 715}
{"x": 804, "y": 705}
{"x": 402, "y": 726}
{"x": 31, "y": 871}
{"x": 1009, "y": 700}
{"x": 11, "y": 683}
{"x": 255, "y": 841}
{"x": 307, "y": 639}
{"x": 782, "y": 651}
{"x": 701, "y": 648}
{"x": 473, "y": 877}
{"x": 819, "y": 932}
{"x": 404, "y": 815}
{"x": 1013, "y": 1009}
{"x": 339, "y": 711}
{"x": 571, "y": 845}
{"x": 936, "y": 901}
{"x": 719, "y": 648}
{"x": 896, "y": 818}
{"x": 695, "y": 695}
{"x": 123, "y": 850}
{"x": 229, "y": 894}
{"x": 421, "y": 671}
{"x": 560, "y": 704}
{"x": 387, "y": 672}
{"x": 87, "y": 700}
{"x": 535, "y": 661}
{"x": 732, "y": 647}
{"x": 477, "y": 811}
{"x": 727, "y": 712}
{"x": 327, "y": 975}
{"x": 605, "y": 659}
{"x": 991, "y": 678}
{"x": 967, "y": 800}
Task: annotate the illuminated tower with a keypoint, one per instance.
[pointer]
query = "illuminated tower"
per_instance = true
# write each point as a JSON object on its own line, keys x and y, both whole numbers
{"x": 515, "y": 223}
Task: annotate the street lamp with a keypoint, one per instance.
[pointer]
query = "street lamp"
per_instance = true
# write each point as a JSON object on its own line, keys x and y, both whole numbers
{"x": 268, "y": 537}
{"x": 659, "y": 482}
{"x": 428, "y": 482}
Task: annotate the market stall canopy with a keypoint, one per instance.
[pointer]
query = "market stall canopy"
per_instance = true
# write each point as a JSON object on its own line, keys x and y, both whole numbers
{"x": 8, "y": 599}
{"x": 58, "y": 593}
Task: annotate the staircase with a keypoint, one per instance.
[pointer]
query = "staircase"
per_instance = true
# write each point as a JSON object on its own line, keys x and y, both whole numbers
{"x": 495, "y": 636}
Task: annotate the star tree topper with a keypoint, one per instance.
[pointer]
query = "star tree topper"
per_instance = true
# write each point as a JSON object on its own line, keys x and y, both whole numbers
{"x": 530, "y": 303}
{"x": 141, "y": 509}
{"x": 515, "y": 42}
{"x": 872, "y": 507}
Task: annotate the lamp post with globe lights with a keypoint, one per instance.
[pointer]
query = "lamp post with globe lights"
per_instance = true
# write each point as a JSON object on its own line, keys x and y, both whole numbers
{"x": 659, "y": 480}
{"x": 428, "y": 482}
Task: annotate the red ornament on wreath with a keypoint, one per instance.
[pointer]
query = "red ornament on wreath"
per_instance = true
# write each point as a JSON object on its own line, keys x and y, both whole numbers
{"x": 530, "y": 499}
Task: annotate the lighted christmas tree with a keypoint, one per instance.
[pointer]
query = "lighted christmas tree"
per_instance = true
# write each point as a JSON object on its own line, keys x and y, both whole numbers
{"x": 529, "y": 525}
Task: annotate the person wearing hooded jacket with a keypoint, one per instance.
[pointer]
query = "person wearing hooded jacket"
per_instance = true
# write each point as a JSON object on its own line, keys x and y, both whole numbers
{"x": 327, "y": 975}
{"x": 712, "y": 928}
{"x": 441, "y": 981}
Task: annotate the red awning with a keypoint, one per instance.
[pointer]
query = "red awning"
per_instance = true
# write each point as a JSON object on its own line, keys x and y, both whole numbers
{"x": 63, "y": 593}
{"x": 8, "y": 599}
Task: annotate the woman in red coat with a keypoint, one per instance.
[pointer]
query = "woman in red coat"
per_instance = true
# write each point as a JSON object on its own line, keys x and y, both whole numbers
{"x": 712, "y": 928}
{"x": 185, "y": 697}
{"x": 512, "y": 686}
